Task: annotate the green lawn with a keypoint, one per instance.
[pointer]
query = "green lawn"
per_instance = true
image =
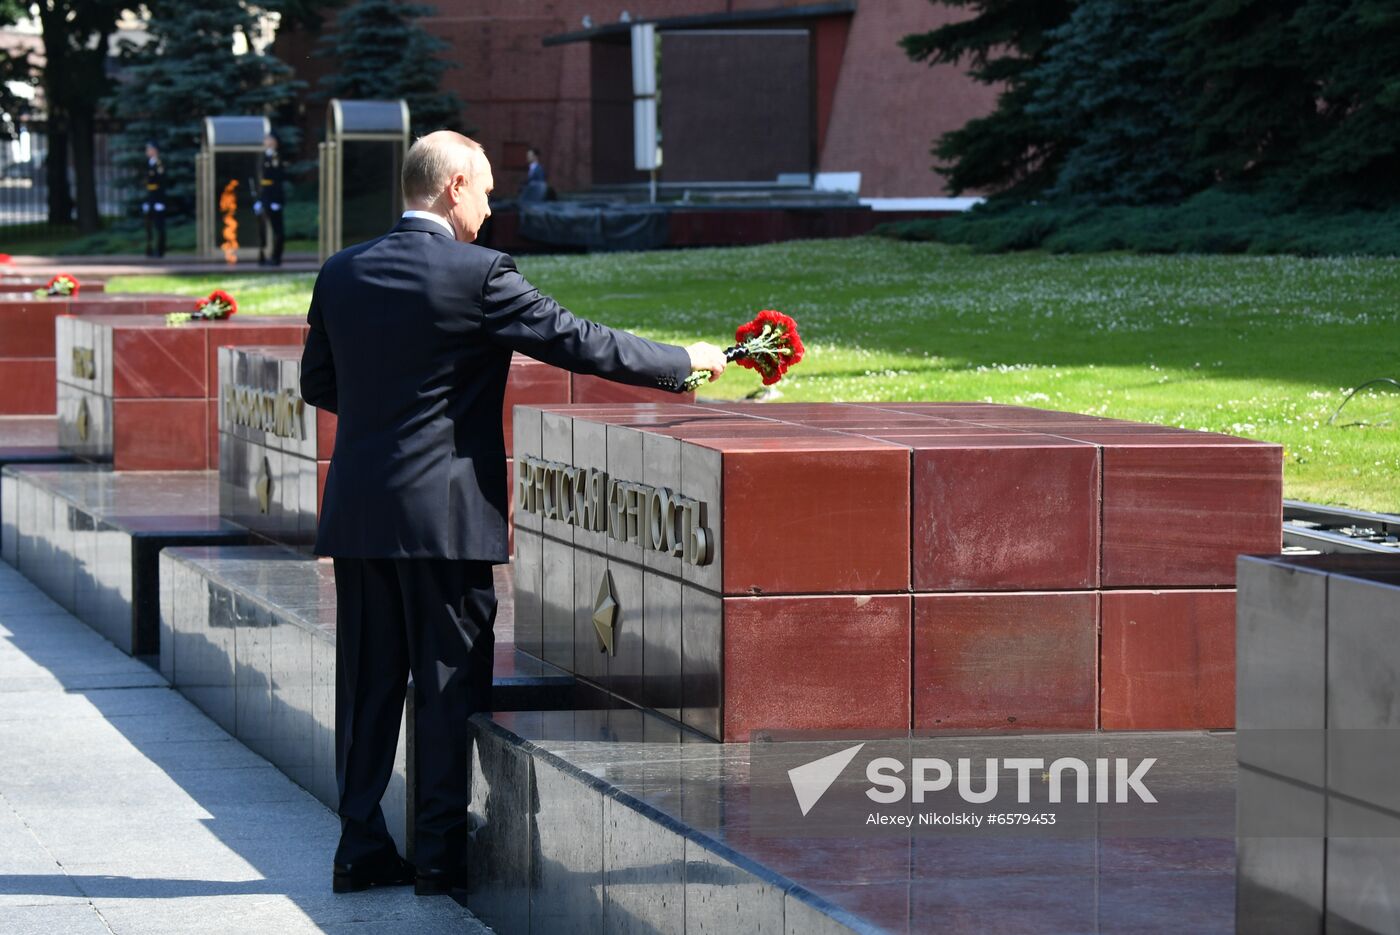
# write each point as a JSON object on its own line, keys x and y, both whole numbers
{"x": 1264, "y": 347}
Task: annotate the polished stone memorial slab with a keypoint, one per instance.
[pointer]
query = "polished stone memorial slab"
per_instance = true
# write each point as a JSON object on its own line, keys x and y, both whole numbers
{"x": 29, "y": 284}
{"x": 248, "y": 634}
{"x": 30, "y": 440}
{"x": 1318, "y": 644}
{"x": 740, "y": 567}
{"x": 620, "y": 820}
{"x": 144, "y": 394}
{"x": 275, "y": 449}
{"x": 90, "y": 538}
{"x": 27, "y": 349}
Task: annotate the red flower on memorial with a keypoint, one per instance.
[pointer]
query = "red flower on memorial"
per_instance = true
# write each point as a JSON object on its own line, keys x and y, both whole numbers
{"x": 217, "y": 306}
{"x": 64, "y": 284}
{"x": 769, "y": 344}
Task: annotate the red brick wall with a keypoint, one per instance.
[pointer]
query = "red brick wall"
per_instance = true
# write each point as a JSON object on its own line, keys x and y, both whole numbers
{"x": 885, "y": 110}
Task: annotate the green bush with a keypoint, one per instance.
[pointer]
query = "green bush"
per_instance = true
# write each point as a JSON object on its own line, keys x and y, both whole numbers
{"x": 1212, "y": 222}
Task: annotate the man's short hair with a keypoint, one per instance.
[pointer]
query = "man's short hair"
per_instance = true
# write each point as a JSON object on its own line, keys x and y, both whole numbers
{"x": 432, "y": 161}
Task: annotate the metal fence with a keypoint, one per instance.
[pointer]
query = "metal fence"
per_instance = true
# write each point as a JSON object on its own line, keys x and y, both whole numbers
{"x": 24, "y": 189}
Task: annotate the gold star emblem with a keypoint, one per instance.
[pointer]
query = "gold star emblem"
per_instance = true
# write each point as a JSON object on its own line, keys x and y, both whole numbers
{"x": 605, "y": 615}
{"x": 84, "y": 420}
{"x": 264, "y": 486}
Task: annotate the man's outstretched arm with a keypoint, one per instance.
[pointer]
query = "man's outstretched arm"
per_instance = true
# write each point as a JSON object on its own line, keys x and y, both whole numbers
{"x": 519, "y": 317}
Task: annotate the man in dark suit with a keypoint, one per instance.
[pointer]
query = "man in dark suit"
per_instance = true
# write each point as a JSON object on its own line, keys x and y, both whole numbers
{"x": 410, "y": 345}
{"x": 536, "y": 187}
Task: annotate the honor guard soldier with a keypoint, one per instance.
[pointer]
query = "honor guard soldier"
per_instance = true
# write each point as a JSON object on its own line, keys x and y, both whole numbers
{"x": 271, "y": 198}
{"x": 153, "y": 205}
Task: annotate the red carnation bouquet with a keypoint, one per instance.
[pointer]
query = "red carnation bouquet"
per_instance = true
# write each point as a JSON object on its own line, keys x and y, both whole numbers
{"x": 217, "y": 306}
{"x": 769, "y": 344}
{"x": 65, "y": 285}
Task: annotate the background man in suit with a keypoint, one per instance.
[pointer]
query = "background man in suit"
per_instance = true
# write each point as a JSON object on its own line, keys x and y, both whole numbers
{"x": 536, "y": 187}
{"x": 410, "y": 344}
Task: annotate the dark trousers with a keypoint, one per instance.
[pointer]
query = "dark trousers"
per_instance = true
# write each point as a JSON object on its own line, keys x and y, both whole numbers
{"x": 155, "y": 232}
{"x": 434, "y": 618}
{"x": 270, "y": 235}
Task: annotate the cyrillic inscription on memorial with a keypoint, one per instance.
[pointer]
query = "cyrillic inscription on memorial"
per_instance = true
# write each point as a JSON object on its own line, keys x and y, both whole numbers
{"x": 273, "y": 446}
{"x": 83, "y": 386}
{"x": 281, "y": 413}
{"x": 655, "y": 518}
{"x": 84, "y": 363}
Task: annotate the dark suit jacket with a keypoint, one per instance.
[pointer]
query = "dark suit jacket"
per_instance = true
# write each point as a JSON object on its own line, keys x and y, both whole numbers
{"x": 410, "y": 345}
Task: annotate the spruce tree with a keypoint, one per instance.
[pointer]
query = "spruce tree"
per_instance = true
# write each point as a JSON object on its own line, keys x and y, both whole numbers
{"x": 1109, "y": 81}
{"x": 187, "y": 71}
{"x": 382, "y": 53}
{"x": 1253, "y": 102}
{"x": 1351, "y": 50}
{"x": 1010, "y": 152}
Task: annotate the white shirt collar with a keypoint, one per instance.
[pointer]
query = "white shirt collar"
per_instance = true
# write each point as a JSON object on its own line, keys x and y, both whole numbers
{"x": 435, "y": 218}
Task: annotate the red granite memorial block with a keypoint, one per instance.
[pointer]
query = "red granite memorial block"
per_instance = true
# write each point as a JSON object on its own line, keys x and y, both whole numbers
{"x": 726, "y": 428}
{"x": 1004, "y": 513}
{"x": 253, "y": 332}
{"x": 535, "y": 384}
{"x": 27, "y": 322}
{"x": 1177, "y": 510}
{"x": 1168, "y": 660}
{"x": 153, "y": 361}
{"x": 1014, "y": 661}
{"x": 806, "y": 663}
{"x": 322, "y": 469}
{"x": 297, "y": 463}
{"x": 211, "y": 426}
{"x": 325, "y": 434}
{"x": 797, "y": 509}
{"x": 27, "y": 334}
{"x": 993, "y": 522}
{"x": 26, "y": 285}
{"x": 588, "y": 389}
{"x": 119, "y": 361}
{"x": 160, "y": 434}
{"x": 26, "y": 385}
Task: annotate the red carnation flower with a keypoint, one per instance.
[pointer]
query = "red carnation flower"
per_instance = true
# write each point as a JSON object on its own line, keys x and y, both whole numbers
{"x": 769, "y": 345}
{"x": 216, "y": 306}
{"x": 64, "y": 284}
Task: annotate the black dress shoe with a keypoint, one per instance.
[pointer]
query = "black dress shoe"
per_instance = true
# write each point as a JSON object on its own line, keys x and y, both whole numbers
{"x": 437, "y": 883}
{"x": 378, "y": 871}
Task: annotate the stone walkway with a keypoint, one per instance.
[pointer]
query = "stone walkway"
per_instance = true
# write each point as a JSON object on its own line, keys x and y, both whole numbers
{"x": 123, "y": 809}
